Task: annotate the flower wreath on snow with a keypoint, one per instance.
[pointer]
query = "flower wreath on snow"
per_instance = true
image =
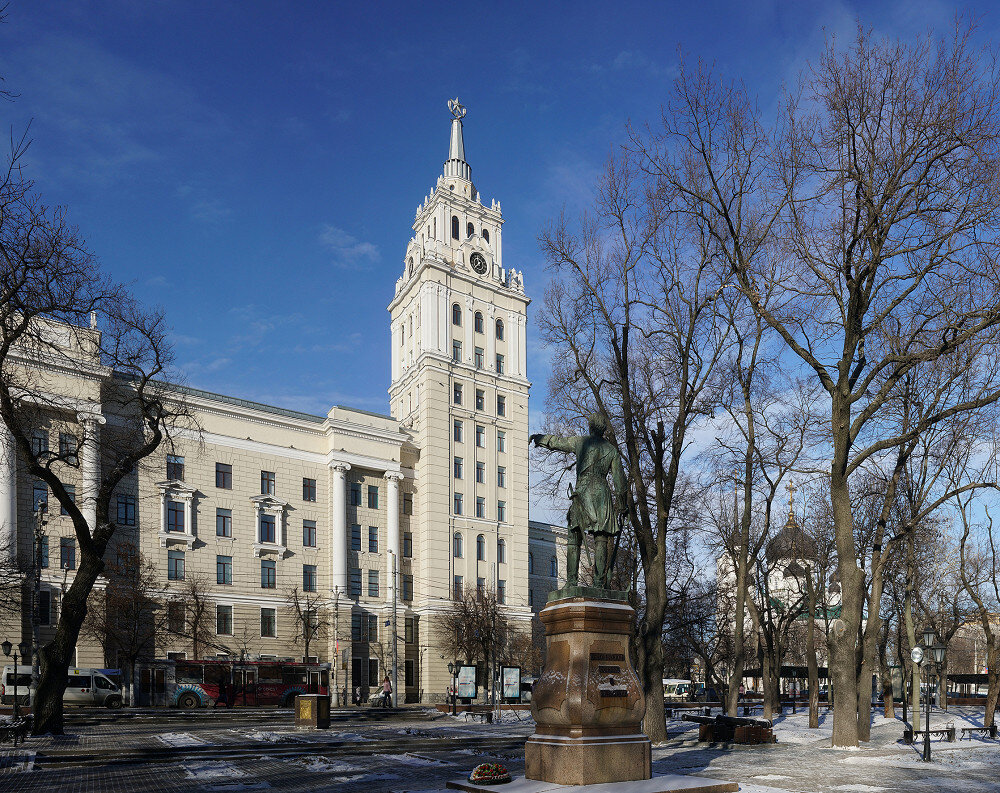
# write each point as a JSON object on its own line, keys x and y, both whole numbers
{"x": 489, "y": 774}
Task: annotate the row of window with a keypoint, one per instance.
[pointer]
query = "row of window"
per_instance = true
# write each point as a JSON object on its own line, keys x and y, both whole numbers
{"x": 224, "y": 571}
{"x": 456, "y": 227}
{"x": 459, "y": 466}
{"x": 458, "y": 548}
{"x": 67, "y": 552}
{"x": 478, "y": 357}
{"x": 68, "y": 445}
{"x": 458, "y": 433}
{"x": 478, "y": 324}
{"x": 553, "y": 566}
{"x": 459, "y": 588}
{"x": 458, "y": 396}
{"x": 458, "y": 507}
{"x": 354, "y": 584}
{"x": 224, "y": 478}
{"x": 364, "y": 628}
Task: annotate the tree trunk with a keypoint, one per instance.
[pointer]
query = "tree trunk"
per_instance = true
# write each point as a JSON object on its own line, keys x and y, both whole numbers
{"x": 650, "y": 644}
{"x": 993, "y": 682}
{"x": 56, "y": 655}
{"x": 739, "y": 638}
{"x": 811, "y": 660}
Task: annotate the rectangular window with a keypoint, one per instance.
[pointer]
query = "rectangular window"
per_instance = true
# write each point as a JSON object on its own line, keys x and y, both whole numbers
{"x": 45, "y": 550}
{"x": 531, "y": 597}
{"x": 457, "y": 592}
{"x": 480, "y": 436}
{"x": 40, "y": 495}
{"x": 501, "y": 405}
{"x": 408, "y": 630}
{"x": 39, "y": 443}
{"x": 407, "y": 503}
{"x": 309, "y": 533}
{"x": 354, "y": 582}
{"x": 458, "y": 504}
{"x": 480, "y": 587}
{"x": 175, "y": 467}
{"x": 481, "y": 473}
{"x": 458, "y": 467}
{"x": 456, "y": 395}
{"x": 267, "y": 530}
{"x": 308, "y": 489}
{"x": 67, "y": 447}
{"x": 408, "y": 587}
{"x": 501, "y": 591}
{"x": 223, "y": 522}
{"x": 499, "y": 363}
{"x": 126, "y": 510}
{"x": 480, "y": 507}
{"x": 457, "y": 434}
{"x": 373, "y": 539}
{"x": 175, "y": 565}
{"x": 44, "y": 607}
{"x": 364, "y": 628}
{"x": 480, "y": 399}
{"x": 308, "y": 578}
{"x": 175, "y": 516}
{"x": 224, "y": 476}
{"x": 223, "y": 569}
{"x": 479, "y": 357}
{"x": 71, "y": 492}
{"x": 407, "y": 545}
{"x": 501, "y": 441}
{"x": 267, "y": 483}
{"x": 355, "y": 536}
{"x": 268, "y": 623}
{"x": 224, "y": 620}
{"x": 502, "y": 511}
{"x": 355, "y": 494}
{"x": 372, "y": 496}
{"x": 268, "y": 574}
{"x": 501, "y": 476}
{"x": 176, "y": 617}
{"x": 410, "y": 673}
{"x": 456, "y": 351}
{"x": 373, "y": 583}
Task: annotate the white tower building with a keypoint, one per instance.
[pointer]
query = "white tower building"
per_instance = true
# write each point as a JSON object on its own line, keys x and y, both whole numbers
{"x": 459, "y": 386}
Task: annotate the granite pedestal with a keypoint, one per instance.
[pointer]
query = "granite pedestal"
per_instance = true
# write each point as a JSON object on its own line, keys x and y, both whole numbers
{"x": 588, "y": 705}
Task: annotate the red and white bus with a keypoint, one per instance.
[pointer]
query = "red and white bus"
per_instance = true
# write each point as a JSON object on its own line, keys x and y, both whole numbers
{"x": 225, "y": 682}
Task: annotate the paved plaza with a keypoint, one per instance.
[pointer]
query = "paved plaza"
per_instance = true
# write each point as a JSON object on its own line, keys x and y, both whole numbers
{"x": 416, "y": 749}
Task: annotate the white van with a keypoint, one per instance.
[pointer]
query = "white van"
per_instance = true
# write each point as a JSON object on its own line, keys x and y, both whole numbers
{"x": 83, "y": 687}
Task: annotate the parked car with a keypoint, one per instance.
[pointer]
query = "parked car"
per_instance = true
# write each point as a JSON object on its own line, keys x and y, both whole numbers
{"x": 83, "y": 687}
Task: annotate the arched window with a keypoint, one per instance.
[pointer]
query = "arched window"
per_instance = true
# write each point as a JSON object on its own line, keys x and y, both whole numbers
{"x": 501, "y": 552}
{"x": 500, "y": 329}
{"x": 479, "y": 322}
{"x": 456, "y": 314}
{"x": 455, "y": 226}
{"x": 480, "y": 548}
{"x": 411, "y": 266}
{"x": 553, "y": 567}
{"x": 470, "y": 229}
{"x": 457, "y": 546}
{"x": 486, "y": 234}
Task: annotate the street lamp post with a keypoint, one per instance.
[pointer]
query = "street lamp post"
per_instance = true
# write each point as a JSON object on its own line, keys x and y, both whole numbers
{"x": 932, "y": 656}
{"x": 24, "y": 648}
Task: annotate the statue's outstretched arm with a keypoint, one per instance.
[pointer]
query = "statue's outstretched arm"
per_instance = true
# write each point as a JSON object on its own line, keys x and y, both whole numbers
{"x": 557, "y": 443}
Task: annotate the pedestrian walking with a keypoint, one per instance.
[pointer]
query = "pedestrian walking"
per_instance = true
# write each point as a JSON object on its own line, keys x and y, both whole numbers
{"x": 357, "y": 695}
{"x": 741, "y": 693}
{"x": 386, "y": 691}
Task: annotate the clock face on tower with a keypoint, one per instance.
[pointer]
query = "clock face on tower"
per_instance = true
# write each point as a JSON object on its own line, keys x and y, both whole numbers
{"x": 478, "y": 263}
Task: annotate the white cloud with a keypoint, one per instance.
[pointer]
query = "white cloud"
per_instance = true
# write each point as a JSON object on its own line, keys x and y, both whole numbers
{"x": 348, "y": 251}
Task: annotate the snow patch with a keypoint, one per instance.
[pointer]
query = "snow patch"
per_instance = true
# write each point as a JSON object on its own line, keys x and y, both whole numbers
{"x": 321, "y": 764}
{"x": 858, "y": 787}
{"x": 181, "y": 739}
{"x": 412, "y": 759}
{"x": 205, "y": 770}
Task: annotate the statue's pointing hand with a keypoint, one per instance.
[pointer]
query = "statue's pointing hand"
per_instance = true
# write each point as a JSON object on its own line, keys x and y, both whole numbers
{"x": 535, "y": 439}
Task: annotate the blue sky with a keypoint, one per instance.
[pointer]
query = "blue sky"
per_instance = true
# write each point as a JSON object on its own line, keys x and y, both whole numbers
{"x": 254, "y": 167}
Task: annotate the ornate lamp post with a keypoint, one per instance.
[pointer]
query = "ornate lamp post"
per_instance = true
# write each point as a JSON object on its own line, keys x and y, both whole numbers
{"x": 24, "y": 648}
{"x": 932, "y": 656}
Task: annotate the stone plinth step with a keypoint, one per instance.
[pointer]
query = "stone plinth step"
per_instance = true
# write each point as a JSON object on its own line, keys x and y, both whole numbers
{"x": 660, "y": 783}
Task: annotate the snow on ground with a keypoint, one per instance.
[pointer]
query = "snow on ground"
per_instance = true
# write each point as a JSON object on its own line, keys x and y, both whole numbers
{"x": 411, "y": 759}
{"x": 181, "y": 739}
{"x": 745, "y": 788}
{"x": 322, "y": 764}
{"x": 794, "y": 728}
{"x": 207, "y": 770}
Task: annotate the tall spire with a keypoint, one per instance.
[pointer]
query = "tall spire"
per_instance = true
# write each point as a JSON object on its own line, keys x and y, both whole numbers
{"x": 456, "y": 164}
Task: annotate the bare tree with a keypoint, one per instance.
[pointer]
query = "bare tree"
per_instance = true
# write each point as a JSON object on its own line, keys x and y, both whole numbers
{"x": 310, "y": 619}
{"x": 194, "y": 614}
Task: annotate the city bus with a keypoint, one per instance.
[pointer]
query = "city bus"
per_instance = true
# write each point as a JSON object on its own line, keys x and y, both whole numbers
{"x": 226, "y": 682}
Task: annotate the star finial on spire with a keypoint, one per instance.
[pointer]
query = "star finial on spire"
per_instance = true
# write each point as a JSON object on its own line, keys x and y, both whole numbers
{"x": 457, "y": 108}
{"x": 791, "y": 496}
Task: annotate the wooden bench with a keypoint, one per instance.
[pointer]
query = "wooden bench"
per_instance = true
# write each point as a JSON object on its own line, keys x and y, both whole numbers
{"x": 18, "y": 730}
{"x": 946, "y": 732}
{"x": 668, "y": 710}
{"x": 991, "y": 731}
{"x": 748, "y": 709}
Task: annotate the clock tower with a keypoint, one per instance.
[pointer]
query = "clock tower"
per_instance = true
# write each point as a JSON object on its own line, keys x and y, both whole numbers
{"x": 460, "y": 389}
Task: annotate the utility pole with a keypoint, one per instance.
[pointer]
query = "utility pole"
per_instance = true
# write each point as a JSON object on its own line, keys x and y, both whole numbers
{"x": 36, "y": 563}
{"x": 395, "y": 664}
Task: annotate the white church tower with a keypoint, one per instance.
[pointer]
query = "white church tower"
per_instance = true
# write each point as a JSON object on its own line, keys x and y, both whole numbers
{"x": 460, "y": 388}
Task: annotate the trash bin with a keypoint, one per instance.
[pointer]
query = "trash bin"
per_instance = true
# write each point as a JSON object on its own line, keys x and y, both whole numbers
{"x": 312, "y": 711}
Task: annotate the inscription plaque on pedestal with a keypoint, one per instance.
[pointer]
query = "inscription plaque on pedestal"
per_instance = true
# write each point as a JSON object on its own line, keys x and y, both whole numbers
{"x": 588, "y": 705}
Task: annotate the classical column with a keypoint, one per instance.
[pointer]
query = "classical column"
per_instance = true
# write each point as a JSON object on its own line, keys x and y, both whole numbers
{"x": 90, "y": 465}
{"x": 8, "y": 494}
{"x": 338, "y": 527}
{"x": 392, "y": 479}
